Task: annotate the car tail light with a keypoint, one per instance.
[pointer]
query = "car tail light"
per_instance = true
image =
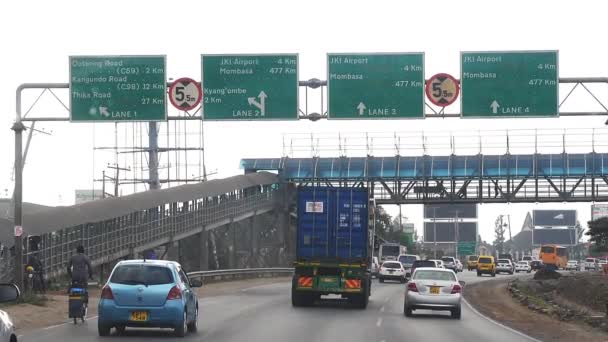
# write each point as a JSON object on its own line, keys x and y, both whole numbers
{"x": 106, "y": 293}
{"x": 174, "y": 293}
{"x": 456, "y": 289}
{"x": 411, "y": 286}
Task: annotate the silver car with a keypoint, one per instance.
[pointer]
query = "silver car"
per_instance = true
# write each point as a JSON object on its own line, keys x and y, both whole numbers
{"x": 504, "y": 265}
{"x": 433, "y": 289}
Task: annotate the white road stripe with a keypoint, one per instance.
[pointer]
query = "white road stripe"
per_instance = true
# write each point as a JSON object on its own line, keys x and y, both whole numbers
{"x": 65, "y": 323}
{"x": 382, "y": 309}
{"x": 379, "y": 322}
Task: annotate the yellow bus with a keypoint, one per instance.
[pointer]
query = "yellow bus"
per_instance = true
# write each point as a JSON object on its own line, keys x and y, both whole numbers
{"x": 554, "y": 257}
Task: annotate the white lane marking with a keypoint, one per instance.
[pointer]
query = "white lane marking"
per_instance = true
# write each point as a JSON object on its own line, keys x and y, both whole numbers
{"x": 379, "y": 322}
{"x": 382, "y": 308}
{"x": 65, "y": 323}
{"x": 382, "y": 340}
{"x": 499, "y": 324}
{"x": 387, "y": 299}
{"x": 259, "y": 286}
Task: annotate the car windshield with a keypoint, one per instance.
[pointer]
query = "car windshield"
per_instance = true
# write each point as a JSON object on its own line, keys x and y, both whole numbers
{"x": 407, "y": 259}
{"x": 391, "y": 265}
{"x": 485, "y": 260}
{"x": 434, "y": 275}
{"x": 141, "y": 274}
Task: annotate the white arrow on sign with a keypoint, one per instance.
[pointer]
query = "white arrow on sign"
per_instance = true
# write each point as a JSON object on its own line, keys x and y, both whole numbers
{"x": 494, "y": 107}
{"x": 260, "y": 105}
{"x": 104, "y": 111}
{"x": 361, "y": 107}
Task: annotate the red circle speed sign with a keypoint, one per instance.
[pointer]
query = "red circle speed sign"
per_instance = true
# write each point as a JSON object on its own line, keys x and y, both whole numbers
{"x": 442, "y": 89}
{"x": 185, "y": 93}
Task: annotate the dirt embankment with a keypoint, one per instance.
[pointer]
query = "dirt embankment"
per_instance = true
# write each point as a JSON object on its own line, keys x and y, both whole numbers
{"x": 493, "y": 299}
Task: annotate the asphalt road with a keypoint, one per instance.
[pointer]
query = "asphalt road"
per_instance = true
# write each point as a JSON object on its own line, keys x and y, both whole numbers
{"x": 264, "y": 313}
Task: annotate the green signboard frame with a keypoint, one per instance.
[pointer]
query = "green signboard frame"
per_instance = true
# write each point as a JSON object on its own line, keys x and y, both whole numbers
{"x": 539, "y": 71}
{"x": 104, "y": 97}
{"x": 252, "y": 98}
{"x": 389, "y": 77}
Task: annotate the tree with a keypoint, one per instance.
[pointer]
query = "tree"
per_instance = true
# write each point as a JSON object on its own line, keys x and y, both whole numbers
{"x": 383, "y": 221}
{"x": 598, "y": 233}
{"x": 499, "y": 233}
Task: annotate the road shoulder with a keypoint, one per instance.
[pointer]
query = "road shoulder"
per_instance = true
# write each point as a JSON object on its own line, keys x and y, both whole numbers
{"x": 492, "y": 299}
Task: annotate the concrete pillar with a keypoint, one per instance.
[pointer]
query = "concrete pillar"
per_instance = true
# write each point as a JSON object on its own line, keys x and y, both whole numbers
{"x": 101, "y": 274}
{"x": 172, "y": 251}
{"x": 232, "y": 258}
{"x": 204, "y": 250}
{"x": 253, "y": 234}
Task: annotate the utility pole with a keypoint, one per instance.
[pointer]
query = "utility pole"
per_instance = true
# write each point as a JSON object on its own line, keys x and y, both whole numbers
{"x": 154, "y": 181}
{"x": 435, "y": 232}
{"x": 457, "y": 234}
{"x": 116, "y": 180}
{"x": 18, "y": 127}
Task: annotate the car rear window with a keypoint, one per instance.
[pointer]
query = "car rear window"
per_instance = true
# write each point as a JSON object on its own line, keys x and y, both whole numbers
{"x": 391, "y": 265}
{"x": 434, "y": 275}
{"x": 447, "y": 259}
{"x": 424, "y": 263}
{"x": 472, "y": 258}
{"x": 407, "y": 259}
{"x": 523, "y": 263}
{"x": 142, "y": 274}
{"x": 485, "y": 260}
{"x": 590, "y": 260}
{"x": 503, "y": 261}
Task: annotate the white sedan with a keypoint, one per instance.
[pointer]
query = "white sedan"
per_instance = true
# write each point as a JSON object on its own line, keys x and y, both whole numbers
{"x": 433, "y": 289}
{"x": 8, "y": 293}
{"x": 523, "y": 266}
{"x": 391, "y": 270}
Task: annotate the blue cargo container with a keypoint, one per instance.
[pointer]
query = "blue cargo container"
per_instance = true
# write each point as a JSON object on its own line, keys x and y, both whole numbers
{"x": 332, "y": 255}
{"x": 332, "y": 224}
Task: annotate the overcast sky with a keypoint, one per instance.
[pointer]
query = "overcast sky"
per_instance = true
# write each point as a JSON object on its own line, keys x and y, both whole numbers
{"x": 39, "y": 36}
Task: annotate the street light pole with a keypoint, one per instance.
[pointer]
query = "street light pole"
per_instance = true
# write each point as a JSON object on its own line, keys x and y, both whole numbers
{"x": 457, "y": 235}
{"x": 434, "y": 232}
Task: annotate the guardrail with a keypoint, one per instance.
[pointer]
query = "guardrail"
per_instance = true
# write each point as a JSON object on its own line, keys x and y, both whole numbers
{"x": 219, "y": 275}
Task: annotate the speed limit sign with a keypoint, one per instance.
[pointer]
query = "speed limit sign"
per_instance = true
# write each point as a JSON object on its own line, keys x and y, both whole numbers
{"x": 442, "y": 89}
{"x": 185, "y": 93}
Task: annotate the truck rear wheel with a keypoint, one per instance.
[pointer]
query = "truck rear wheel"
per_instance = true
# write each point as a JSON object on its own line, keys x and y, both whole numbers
{"x": 360, "y": 301}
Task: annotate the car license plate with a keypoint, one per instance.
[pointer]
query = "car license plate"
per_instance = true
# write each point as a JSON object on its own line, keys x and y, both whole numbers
{"x": 434, "y": 289}
{"x": 139, "y": 316}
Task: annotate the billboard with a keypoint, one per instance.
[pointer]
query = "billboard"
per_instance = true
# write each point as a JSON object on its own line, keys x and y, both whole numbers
{"x": 467, "y": 231}
{"x": 81, "y": 196}
{"x": 450, "y": 211}
{"x": 554, "y": 218}
{"x": 598, "y": 211}
{"x": 559, "y": 236}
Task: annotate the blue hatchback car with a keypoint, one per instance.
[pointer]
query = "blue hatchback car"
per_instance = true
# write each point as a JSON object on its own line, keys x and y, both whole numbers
{"x": 148, "y": 293}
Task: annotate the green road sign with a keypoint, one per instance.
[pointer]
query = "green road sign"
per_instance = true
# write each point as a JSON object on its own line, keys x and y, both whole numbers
{"x": 466, "y": 248}
{"x": 375, "y": 86}
{"x": 509, "y": 84}
{"x": 250, "y": 87}
{"x": 118, "y": 88}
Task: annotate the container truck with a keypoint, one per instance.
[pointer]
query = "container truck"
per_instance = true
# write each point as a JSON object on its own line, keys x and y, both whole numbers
{"x": 333, "y": 254}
